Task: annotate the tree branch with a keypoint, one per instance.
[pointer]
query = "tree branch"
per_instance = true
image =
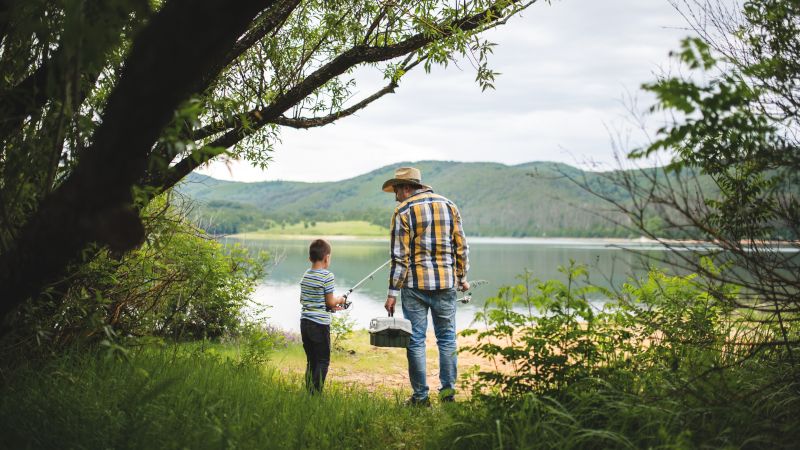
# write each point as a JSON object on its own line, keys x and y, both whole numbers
{"x": 267, "y": 22}
{"x": 235, "y": 126}
{"x": 311, "y": 122}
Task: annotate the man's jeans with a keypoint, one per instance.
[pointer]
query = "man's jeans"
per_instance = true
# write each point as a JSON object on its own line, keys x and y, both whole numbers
{"x": 442, "y": 304}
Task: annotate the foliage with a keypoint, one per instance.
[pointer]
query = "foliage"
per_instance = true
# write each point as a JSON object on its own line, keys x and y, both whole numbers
{"x": 732, "y": 118}
{"x": 545, "y": 332}
{"x": 341, "y": 329}
{"x": 259, "y": 344}
{"x": 664, "y": 363}
{"x": 740, "y": 119}
{"x": 180, "y": 284}
{"x": 548, "y": 335}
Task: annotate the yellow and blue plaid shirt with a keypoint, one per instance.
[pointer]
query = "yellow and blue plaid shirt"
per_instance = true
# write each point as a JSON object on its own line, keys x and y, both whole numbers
{"x": 429, "y": 250}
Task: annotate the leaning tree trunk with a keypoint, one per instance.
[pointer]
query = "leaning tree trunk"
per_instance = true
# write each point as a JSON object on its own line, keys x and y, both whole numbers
{"x": 169, "y": 61}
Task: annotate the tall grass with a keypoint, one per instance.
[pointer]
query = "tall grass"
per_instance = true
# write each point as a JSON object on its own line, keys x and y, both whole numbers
{"x": 179, "y": 398}
{"x": 600, "y": 415}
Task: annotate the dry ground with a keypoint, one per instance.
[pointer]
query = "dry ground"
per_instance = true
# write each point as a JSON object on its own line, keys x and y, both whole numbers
{"x": 380, "y": 370}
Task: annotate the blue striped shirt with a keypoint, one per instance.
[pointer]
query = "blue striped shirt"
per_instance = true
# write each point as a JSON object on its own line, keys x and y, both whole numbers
{"x": 313, "y": 287}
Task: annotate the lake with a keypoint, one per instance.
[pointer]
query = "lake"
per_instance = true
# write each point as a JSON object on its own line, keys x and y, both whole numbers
{"x": 498, "y": 260}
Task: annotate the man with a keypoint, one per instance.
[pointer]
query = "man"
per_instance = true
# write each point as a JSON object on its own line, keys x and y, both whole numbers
{"x": 429, "y": 260}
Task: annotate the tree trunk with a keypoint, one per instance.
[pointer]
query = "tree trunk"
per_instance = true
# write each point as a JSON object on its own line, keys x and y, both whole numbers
{"x": 167, "y": 64}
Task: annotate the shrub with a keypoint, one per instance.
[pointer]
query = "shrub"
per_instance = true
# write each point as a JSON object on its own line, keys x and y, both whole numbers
{"x": 180, "y": 284}
{"x": 666, "y": 362}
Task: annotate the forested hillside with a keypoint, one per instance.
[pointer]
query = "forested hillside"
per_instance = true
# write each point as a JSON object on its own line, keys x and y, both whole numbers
{"x": 532, "y": 199}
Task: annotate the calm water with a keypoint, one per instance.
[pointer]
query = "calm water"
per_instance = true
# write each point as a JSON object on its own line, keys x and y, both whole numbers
{"x": 497, "y": 260}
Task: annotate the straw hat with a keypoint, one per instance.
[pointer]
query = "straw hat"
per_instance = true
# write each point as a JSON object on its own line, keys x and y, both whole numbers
{"x": 404, "y": 175}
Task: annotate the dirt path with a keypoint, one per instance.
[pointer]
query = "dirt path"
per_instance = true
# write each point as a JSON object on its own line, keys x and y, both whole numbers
{"x": 384, "y": 371}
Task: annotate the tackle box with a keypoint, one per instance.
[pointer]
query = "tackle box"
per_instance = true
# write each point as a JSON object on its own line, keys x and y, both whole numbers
{"x": 389, "y": 332}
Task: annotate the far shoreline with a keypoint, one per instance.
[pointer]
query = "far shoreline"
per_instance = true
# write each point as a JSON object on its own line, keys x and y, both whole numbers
{"x": 622, "y": 243}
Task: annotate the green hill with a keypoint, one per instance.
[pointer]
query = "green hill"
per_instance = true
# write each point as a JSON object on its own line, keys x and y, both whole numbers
{"x": 532, "y": 199}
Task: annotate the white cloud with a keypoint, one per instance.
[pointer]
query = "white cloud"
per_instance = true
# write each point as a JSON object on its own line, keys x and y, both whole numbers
{"x": 565, "y": 69}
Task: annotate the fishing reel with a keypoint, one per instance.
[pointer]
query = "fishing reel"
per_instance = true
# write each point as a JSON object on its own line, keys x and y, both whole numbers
{"x": 344, "y": 305}
{"x": 468, "y": 295}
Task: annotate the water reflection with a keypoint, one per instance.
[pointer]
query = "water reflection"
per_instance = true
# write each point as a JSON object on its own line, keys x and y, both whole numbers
{"x": 497, "y": 260}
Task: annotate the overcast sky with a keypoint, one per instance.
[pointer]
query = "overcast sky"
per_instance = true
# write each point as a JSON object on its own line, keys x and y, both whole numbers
{"x": 566, "y": 70}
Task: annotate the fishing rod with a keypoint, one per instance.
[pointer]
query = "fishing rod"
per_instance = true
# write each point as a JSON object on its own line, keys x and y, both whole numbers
{"x": 368, "y": 277}
{"x": 466, "y": 298}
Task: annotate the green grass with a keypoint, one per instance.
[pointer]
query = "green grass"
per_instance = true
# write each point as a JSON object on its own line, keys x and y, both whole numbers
{"x": 355, "y": 355}
{"x": 200, "y": 396}
{"x": 182, "y": 397}
{"x": 185, "y": 397}
{"x": 355, "y": 228}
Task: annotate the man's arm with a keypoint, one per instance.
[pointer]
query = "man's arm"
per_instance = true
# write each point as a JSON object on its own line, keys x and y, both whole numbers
{"x": 461, "y": 250}
{"x": 398, "y": 269}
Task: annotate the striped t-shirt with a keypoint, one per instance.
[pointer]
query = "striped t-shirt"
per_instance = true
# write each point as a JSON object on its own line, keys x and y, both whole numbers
{"x": 313, "y": 287}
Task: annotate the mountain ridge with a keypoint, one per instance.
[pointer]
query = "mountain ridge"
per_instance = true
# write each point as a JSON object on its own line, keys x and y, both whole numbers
{"x": 495, "y": 199}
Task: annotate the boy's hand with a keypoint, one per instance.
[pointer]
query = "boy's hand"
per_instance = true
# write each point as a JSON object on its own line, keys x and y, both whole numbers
{"x": 339, "y": 304}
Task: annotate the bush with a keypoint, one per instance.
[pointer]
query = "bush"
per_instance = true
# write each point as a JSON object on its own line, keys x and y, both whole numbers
{"x": 666, "y": 362}
{"x": 180, "y": 284}
{"x": 341, "y": 328}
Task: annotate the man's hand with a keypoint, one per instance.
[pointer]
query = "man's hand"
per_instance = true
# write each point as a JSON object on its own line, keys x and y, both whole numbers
{"x": 389, "y": 305}
{"x": 464, "y": 286}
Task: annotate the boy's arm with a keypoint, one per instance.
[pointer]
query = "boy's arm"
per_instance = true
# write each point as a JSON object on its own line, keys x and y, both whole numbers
{"x": 333, "y": 302}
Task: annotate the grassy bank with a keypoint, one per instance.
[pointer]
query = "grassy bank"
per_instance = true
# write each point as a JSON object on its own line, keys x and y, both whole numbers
{"x": 190, "y": 397}
{"x": 350, "y": 228}
{"x": 201, "y": 396}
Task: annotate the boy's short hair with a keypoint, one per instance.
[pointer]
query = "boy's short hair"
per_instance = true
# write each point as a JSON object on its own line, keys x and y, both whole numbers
{"x": 318, "y": 250}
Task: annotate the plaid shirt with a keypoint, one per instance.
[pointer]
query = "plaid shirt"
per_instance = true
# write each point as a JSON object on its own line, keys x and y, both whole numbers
{"x": 429, "y": 250}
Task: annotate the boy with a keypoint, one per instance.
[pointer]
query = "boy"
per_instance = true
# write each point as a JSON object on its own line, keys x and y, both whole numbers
{"x": 316, "y": 297}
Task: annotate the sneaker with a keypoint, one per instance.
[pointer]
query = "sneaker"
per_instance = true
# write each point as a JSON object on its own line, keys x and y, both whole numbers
{"x": 425, "y": 402}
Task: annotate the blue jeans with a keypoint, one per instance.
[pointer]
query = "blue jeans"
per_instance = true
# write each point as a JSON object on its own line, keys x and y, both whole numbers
{"x": 442, "y": 304}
